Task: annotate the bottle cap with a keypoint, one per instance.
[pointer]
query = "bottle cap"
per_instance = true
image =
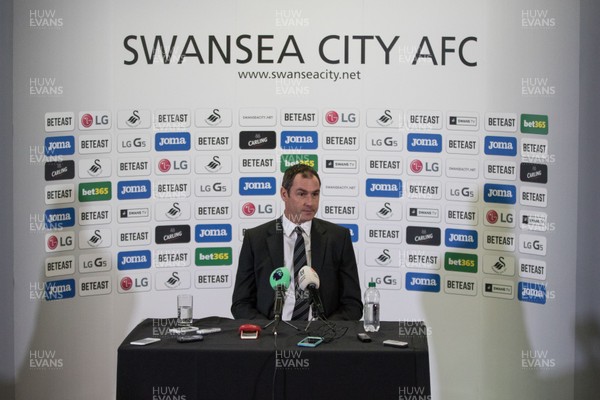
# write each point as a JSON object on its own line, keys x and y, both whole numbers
{"x": 372, "y": 284}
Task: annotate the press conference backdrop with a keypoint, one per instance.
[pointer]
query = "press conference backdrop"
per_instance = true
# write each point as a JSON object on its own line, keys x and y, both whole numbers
{"x": 149, "y": 136}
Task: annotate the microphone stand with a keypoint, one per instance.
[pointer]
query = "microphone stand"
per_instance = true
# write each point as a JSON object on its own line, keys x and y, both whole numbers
{"x": 318, "y": 316}
{"x": 280, "y": 295}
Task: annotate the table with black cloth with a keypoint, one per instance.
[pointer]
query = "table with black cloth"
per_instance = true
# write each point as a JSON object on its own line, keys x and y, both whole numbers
{"x": 223, "y": 366}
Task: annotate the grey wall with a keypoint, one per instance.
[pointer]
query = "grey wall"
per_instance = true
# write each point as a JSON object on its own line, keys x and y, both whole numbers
{"x": 7, "y": 369}
{"x": 587, "y": 385}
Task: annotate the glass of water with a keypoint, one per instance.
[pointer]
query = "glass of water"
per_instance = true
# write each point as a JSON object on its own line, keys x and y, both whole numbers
{"x": 185, "y": 309}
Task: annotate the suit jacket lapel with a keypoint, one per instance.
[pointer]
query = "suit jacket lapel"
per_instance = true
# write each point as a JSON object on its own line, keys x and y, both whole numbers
{"x": 318, "y": 244}
{"x": 275, "y": 243}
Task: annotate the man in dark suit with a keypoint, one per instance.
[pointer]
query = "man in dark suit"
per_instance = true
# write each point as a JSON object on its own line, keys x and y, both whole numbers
{"x": 271, "y": 245}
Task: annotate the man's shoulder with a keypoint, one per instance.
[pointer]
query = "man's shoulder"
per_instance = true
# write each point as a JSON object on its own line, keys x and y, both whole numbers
{"x": 263, "y": 229}
{"x": 329, "y": 227}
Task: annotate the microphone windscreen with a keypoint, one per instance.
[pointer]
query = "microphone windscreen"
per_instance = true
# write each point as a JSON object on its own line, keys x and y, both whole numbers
{"x": 308, "y": 276}
{"x": 280, "y": 276}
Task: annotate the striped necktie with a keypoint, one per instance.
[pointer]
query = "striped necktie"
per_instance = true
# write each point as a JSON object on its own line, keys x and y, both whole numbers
{"x": 302, "y": 306}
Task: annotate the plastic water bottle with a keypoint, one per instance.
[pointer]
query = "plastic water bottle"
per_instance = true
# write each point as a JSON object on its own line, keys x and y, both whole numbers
{"x": 371, "y": 308}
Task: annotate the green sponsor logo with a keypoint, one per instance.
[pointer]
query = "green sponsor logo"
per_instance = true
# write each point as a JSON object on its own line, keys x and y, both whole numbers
{"x": 206, "y": 256}
{"x": 533, "y": 123}
{"x": 95, "y": 191}
{"x": 460, "y": 262}
{"x": 288, "y": 160}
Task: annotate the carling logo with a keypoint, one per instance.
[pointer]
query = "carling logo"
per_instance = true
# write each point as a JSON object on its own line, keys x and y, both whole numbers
{"x": 172, "y": 141}
{"x": 503, "y": 194}
{"x": 127, "y": 190}
{"x": 59, "y": 170}
{"x": 58, "y": 290}
{"x": 172, "y": 234}
{"x": 417, "y": 281}
{"x": 59, "y": 218}
{"x": 140, "y": 259}
{"x": 536, "y": 173}
{"x": 466, "y": 239}
{"x": 59, "y": 146}
{"x": 260, "y": 186}
{"x": 424, "y": 142}
{"x": 250, "y": 140}
{"x": 500, "y": 146}
{"x": 305, "y": 140}
{"x": 532, "y": 292}
{"x": 423, "y": 235}
{"x": 209, "y": 233}
{"x": 384, "y": 188}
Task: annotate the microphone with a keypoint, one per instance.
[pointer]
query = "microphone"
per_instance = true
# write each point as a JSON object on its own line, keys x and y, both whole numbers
{"x": 280, "y": 281}
{"x": 309, "y": 280}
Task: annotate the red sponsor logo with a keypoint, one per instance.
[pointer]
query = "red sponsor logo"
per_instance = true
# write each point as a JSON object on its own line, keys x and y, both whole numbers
{"x": 87, "y": 120}
{"x": 126, "y": 283}
{"x": 332, "y": 117}
{"x": 248, "y": 209}
{"x": 164, "y": 165}
{"x": 416, "y": 166}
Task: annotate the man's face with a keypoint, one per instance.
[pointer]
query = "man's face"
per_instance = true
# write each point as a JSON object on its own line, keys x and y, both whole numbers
{"x": 302, "y": 200}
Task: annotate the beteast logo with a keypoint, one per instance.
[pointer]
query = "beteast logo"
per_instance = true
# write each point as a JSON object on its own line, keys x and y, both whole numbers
{"x": 208, "y": 233}
{"x": 532, "y": 123}
{"x": 59, "y": 218}
{"x": 59, "y": 290}
{"x": 384, "y": 188}
{"x": 59, "y": 146}
{"x": 462, "y": 238}
{"x": 305, "y": 140}
{"x": 59, "y": 170}
{"x": 503, "y": 194}
{"x": 95, "y": 191}
{"x": 166, "y": 234}
{"x": 139, "y": 259}
{"x": 172, "y": 141}
{"x": 250, "y": 140}
{"x": 460, "y": 262}
{"x": 259, "y": 186}
{"x": 213, "y": 256}
{"x": 500, "y": 146}
{"x": 532, "y": 292}
{"x": 536, "y": 173}
{"x": 424, "y": 142}
{"x": 422, "y": 282}
{"x": 423, "y": 235}
{"x": 127, "y": 190}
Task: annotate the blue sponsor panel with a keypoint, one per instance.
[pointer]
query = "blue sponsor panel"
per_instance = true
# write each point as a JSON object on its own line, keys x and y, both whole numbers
{"x": 59, "y": 146}
{"x": 500, "y": 146}
{"x": 384, "y": 188}
{"x": 210, "y": 233}
{"x": 502, "y": 194}
{"x": 172, "y": 141}
{"x": 59, "y": 218}
{"x": 353, "y": 231}
{"x": 424, "y": 143}
{"x": 139, "y": 259}
{"x": 59, "y": 290}
{"x": 462, "y": 238}
{"x": 301, "y": 140}
{"x": 420, "y": 282}
{"x": 259, "y": 186}
{"x": 131, "y": 190}
{"x": 532, "y": 292}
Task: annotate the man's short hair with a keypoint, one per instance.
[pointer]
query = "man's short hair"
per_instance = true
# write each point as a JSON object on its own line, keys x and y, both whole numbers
{"x": 305, "y": 170}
